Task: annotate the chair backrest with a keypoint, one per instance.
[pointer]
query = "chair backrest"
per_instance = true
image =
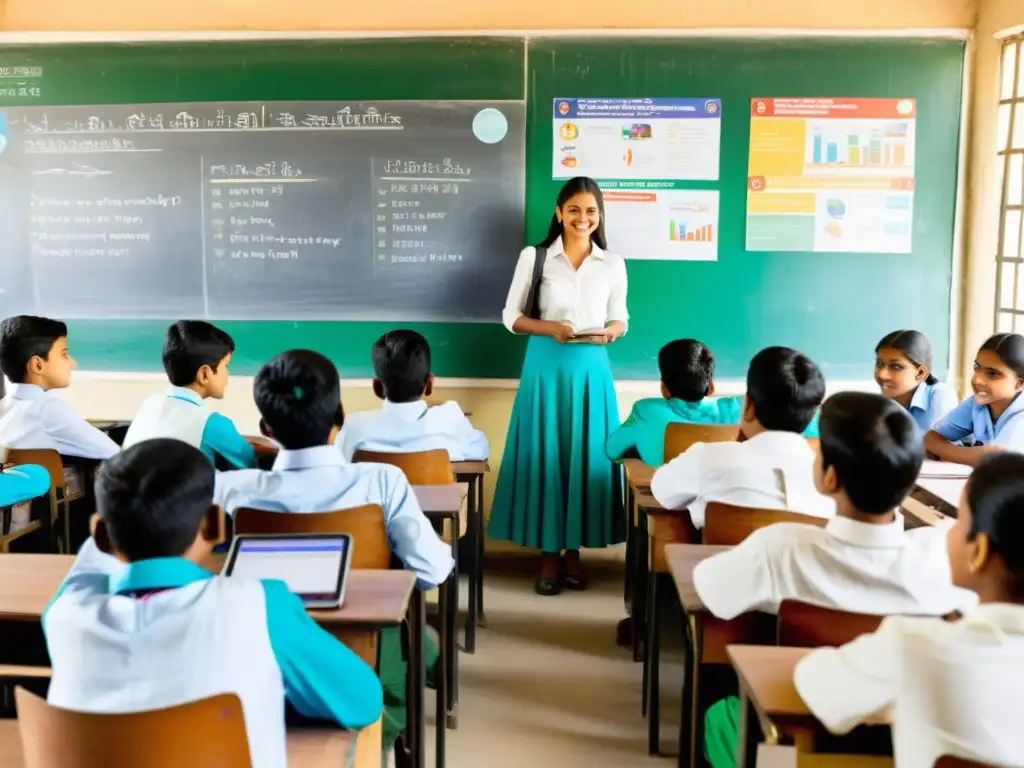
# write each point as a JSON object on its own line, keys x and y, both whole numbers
{"x": 420, "y": 468}
{"x": 727, "y": 524}
{"x": 679, "y": 437}
{"x": 948, "y": 761}
{"x": 371, "y": 548}
{"x": 47, "y": 458}
{"x": 209, "y": 733}
{"x": 802, "y": 625}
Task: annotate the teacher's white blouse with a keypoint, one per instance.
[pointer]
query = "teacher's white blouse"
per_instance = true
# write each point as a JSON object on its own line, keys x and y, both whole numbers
{"x": 587, "y": 298}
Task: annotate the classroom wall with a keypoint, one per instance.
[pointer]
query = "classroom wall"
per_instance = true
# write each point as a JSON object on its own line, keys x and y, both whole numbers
{"x": 425, "y": 15}
{"x": 98, "y": 395}
{"x": 978, "y": 311}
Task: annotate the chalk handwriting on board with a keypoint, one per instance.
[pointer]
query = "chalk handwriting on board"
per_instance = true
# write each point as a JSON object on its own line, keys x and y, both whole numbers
{"x": 250, "y": 118}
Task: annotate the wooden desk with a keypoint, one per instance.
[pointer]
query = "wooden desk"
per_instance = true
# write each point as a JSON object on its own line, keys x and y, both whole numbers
{"x": 472, "y": 473}
{"x": 440, "y": 503}
{"x": 947, "y": 489}
{"x": 307, "y": 748}
{"x": 767, "y": 693}
{"x": 634, "y": 589}
{"x": 706, "y": 641}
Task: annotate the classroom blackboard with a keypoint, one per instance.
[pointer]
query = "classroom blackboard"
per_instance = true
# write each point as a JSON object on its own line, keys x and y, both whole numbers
{"x": 832, "y": 306}
{"x": 388, "y": 210}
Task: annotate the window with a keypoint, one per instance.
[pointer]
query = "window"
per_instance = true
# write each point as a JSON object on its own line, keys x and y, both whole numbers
{"x": 1010, "y": 255}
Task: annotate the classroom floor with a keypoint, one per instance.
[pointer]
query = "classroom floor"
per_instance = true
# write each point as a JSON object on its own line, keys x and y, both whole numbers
{"x": 547, "y": 685}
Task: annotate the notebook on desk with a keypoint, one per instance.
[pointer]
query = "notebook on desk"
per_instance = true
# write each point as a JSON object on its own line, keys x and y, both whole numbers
{"x": 934, "y": 469}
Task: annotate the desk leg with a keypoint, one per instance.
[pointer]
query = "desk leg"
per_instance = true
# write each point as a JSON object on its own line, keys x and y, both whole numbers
{"x": 417, "y": 684}
{"x": 441, "y": 675}
{"x": 639, "y": 597}
{"x": 652, "y": 662}
{"x": 476, "y": 525}
{"x": 452, "y": 649}
{"x": 481, "y": 546}
{"x": 631, "y": 558}
{"x": 746, "y": 741}
{"x": 687, "y": 736}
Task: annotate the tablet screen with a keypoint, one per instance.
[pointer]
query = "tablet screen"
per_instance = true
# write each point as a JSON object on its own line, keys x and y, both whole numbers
{"x": 311, "y": 567}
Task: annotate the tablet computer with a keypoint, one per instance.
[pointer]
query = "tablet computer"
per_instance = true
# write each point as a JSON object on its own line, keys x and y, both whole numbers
{"x": 313, "y": 565}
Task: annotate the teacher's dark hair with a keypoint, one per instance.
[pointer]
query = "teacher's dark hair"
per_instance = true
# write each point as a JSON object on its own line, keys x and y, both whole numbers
{"x": 581, "y": 185}
{"x": 914, "y": 346}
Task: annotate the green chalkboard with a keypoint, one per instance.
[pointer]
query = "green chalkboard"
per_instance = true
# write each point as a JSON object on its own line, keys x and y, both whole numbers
{"x": 832, "y": 306}
{"x": 351, "y": 70}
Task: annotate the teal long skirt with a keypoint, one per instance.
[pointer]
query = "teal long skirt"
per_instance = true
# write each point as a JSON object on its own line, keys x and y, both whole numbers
{"x": 557, "y": 489}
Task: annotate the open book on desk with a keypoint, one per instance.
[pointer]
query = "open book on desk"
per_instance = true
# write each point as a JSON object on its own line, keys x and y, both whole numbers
{"x": 932, "y": 468}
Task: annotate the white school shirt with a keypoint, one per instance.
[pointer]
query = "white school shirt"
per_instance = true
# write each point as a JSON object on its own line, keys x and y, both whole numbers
{"x": 33, "y": 419}
{"x": 586, "y": 298}
{"x": 162, "y": 632}
{"x": 772, "y": 470}
{"x": 847, "y": 565}
{"x": 412, "y": 427}
{"x": 320, "y": 480}
{"x": 954, "y": 687}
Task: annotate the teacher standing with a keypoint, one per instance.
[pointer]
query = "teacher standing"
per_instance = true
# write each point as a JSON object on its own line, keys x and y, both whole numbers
{"x": 557, "y": 490}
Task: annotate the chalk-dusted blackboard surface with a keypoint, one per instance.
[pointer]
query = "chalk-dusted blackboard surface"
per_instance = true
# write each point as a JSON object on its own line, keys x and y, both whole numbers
{"x": 263, "y": 211}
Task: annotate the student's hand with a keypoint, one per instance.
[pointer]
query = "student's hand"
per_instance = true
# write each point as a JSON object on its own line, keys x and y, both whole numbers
{"x": 560, "y": 332}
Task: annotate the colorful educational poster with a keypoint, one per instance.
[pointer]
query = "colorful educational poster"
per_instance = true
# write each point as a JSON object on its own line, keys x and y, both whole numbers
{"x": 657, "y": 220}
{"x": 831, "y": 175}
{"x": 637, "y": 139}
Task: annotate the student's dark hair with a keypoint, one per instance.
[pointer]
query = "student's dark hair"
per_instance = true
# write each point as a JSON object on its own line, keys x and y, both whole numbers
{"x": 298, "y": 394}
{"x": 23, "y": 337}
{"x": 875, "y": 447}
{"x": 995, "y": 493}
{"x": 687, "y": 369}
{"x": 1010, "y": 349}
{"x": 401, "y": 360}
{"x": 153, "y": 497}
{"x": 578, "y": 186}
{"x": 785, "y": 388}
{"x": 191, "y": 344}
{"x": 914, "y": 346}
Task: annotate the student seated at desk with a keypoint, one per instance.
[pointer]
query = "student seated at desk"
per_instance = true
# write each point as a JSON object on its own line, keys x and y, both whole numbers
{"x": 156, "y": 630}
{"x": 771, "y": 467}
{"x": 861, "y": 561}
{"x": 34, "y": 356}
{"x": 196, "y": 356}
{"x": 405, "y": 423}
{"x": 687, "y": 384}
{"x": 299, "y": 397}
{"x": 992, "y": 419}
{"x": 22, "y": 483}
{"x": 954, "y": 687}
{"x": 903, "y": 372}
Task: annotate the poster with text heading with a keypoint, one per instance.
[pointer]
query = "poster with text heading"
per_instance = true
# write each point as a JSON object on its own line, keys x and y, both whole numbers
{"x": 637, "y": 139}
{"x": 831, "y": 175}
{"x": 655, "y": 220}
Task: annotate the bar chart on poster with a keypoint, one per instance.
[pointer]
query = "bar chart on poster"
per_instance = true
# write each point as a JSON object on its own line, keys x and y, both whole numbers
{"x": 262, "y": 210}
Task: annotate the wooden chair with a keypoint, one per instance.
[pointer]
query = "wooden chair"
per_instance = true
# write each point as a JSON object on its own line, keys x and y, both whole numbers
{"x": 728, "y": 524}
{"x": 948, "y": 761}
{"x": 60, "y": 738}
{"x": 371, "y": 548}
{"x": 58, "y": 497}
{"x": 802, "y": 625}
{"x": 679, "y": 437}
{"x": 420, "y": 468}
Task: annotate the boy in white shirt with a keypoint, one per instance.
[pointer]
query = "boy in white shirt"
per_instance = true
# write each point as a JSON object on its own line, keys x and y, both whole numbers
{"x": 149, "y": 628}
{"x": 954, "y": 688}
{"x": 196, "y": 356}
{"x": 862, "y": 561}
{"x": 34, "y": 356}
{"x": 405, "y": 424}
{"x": 770, "y": 466}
